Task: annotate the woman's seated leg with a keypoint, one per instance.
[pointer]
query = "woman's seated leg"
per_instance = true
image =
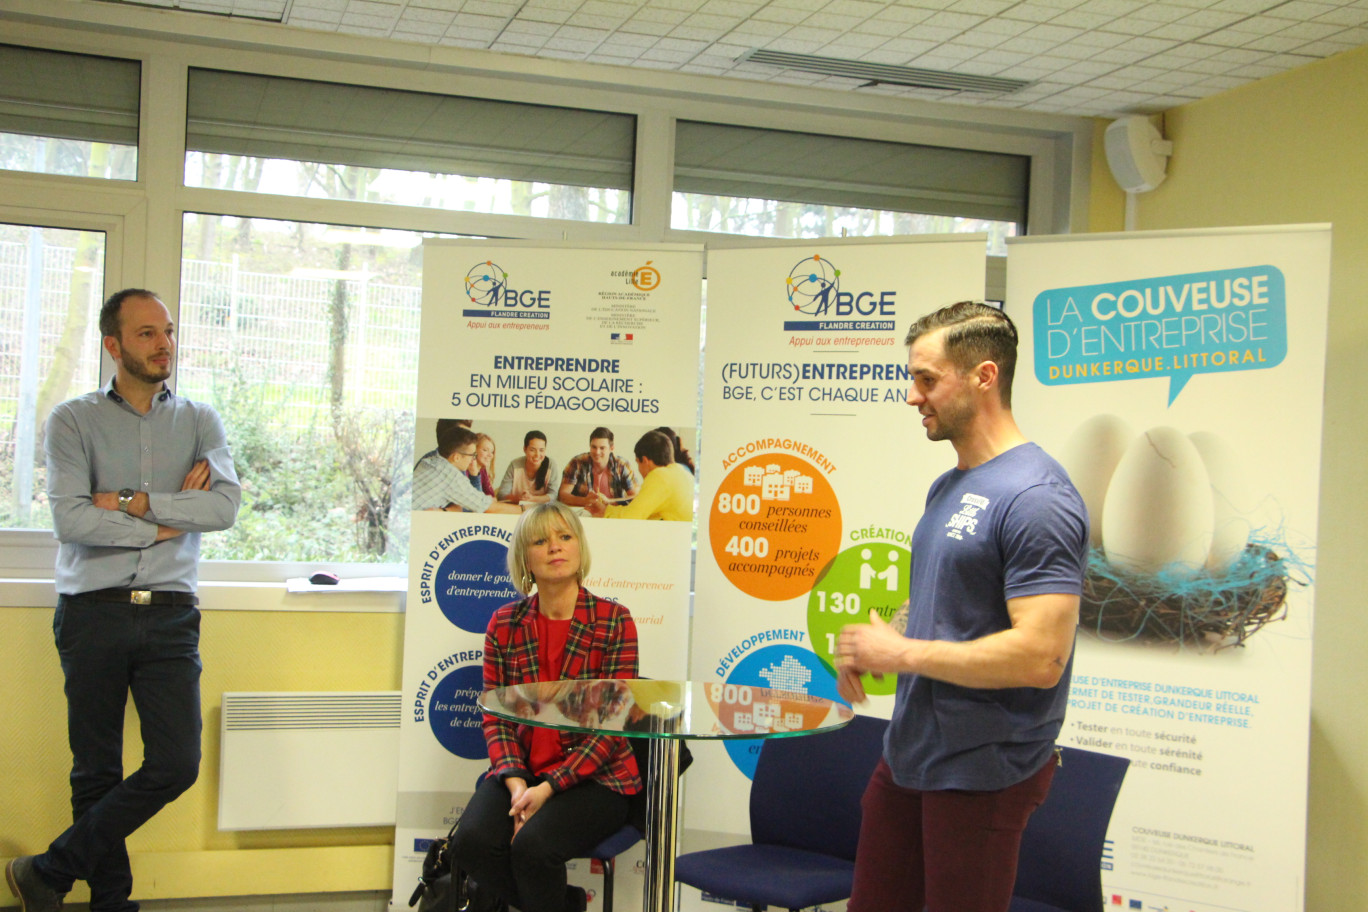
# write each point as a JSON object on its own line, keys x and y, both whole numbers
{"x": 569, "y": 825}
{"x": 481, "y": 844}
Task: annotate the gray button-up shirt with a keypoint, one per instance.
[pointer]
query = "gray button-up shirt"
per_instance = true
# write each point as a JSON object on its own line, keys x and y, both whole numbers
{"x": 97, "y": 443}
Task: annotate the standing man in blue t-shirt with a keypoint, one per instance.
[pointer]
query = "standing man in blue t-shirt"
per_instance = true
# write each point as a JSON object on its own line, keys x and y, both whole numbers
{"x": 983, "y": 667}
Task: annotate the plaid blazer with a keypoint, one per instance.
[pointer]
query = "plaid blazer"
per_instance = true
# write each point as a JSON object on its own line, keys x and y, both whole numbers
{"x": 602, "y": 644}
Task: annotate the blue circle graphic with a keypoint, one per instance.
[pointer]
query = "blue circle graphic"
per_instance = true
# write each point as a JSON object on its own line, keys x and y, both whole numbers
{"x": 785, "y": 668}
{"x": 472, "y": 582}
{"x": 454, "y": 715}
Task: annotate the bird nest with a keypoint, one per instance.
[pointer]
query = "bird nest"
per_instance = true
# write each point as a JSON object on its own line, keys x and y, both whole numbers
{"x": 1210, "y": 612}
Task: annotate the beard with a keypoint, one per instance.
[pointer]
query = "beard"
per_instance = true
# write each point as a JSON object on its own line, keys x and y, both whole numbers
{"x": 950, "y": 421}
{"x": 145, "y": 370}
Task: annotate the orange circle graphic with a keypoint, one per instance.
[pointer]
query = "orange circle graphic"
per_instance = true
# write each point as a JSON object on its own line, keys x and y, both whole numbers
{"x": 774, "y": 524}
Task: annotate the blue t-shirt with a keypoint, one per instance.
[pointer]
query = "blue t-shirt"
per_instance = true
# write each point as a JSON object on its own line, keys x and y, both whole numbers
{"x": 1014, "y": 526}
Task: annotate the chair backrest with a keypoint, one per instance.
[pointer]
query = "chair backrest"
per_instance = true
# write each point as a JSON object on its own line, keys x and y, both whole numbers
{"x": 807, "y": 789}
{"x": 1061, "y": 851}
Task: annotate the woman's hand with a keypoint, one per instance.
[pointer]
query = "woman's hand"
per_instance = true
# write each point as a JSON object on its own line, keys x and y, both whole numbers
{"x": 527, "y": 802}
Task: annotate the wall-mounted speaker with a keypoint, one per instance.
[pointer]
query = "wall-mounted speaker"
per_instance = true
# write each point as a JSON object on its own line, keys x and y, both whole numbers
{"x": 1137, "y": 154}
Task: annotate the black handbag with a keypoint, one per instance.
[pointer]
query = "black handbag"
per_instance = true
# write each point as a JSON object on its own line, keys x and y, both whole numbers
{"x": 435, "y": 892}
{"x": 442, "y": 887}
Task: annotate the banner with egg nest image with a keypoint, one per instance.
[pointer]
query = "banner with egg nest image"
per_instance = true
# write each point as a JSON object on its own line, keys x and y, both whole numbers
{"x": 1175, "y": 556}
{"x": 1179, "y": 378}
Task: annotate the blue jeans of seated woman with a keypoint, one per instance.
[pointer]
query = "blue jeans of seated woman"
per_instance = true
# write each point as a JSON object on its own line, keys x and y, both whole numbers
{"x": 529, "y": 871}
{"x": 109, "y": 650}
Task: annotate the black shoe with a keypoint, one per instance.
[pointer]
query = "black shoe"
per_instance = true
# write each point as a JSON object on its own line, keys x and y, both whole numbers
{"x": 32, "y": 891}
{"x": 479, "y": 899}
{"x": 576, "y": 900}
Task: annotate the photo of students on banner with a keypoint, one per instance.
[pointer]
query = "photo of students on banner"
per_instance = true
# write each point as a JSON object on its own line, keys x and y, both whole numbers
{"x": 649, "y": 483}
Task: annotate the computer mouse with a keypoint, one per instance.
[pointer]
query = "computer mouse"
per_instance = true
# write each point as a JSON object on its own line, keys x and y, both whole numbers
{"x": 324, "y": 578}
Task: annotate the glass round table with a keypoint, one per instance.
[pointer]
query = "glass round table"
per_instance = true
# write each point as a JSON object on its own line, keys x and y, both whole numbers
{"x": 670, "y": 711}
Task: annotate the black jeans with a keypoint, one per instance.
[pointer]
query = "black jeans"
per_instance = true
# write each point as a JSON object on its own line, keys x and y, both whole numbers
{"x": 109, "y": 650}
{"x": 529, "y": 872}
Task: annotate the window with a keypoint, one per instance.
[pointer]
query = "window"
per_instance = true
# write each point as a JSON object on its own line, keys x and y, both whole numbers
{"x": 51, "y": 287}
{"x": 296, "y": 137}
{"x": 70, "y": 114}
{"x": 774, "y": 183}
{"x": 303, "y": 337}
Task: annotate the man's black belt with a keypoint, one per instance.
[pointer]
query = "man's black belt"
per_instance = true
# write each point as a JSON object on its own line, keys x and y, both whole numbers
{"x": 140, "y": 596}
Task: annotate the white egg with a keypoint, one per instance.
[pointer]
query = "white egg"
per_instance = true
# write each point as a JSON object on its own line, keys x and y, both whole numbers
{"x": 1231, "y": 502}
{"x": 1090, "y": 457}
{"x": 1158, "y": 510}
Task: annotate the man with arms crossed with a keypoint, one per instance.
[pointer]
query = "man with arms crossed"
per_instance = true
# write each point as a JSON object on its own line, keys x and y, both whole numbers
{"x": 983, "y": 669}
{"x": 135, "y": 474}
{"x": 598, "y": 471}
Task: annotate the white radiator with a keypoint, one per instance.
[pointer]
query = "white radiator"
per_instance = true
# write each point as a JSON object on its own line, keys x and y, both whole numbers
{"x": 290, "y": 760}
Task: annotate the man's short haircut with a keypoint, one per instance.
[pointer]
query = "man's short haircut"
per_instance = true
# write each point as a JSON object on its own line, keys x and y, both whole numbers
{"x": 111, "y": 313}
{"x": 538, "y": 522}
{"x": 974, "y": 332}
{"x": 656, "y": 447}
{"x": 601, "y": 433}
{"x": 451, "y": 437}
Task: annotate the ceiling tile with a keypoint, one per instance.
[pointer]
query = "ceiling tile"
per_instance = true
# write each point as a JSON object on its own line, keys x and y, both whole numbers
{"x": 908, "y": 46}
{"x": 953, "y": 20}
{"x": 593, "y": 20}
{"x": 1311, "y": 31}
{"x": 981, "y": 7}
{"x": 1212, "y": 19}
{"x": 1274, "y": 43}
{"x": 1055, "y": 33}
{"x": 1176, "y": 31}
{"x": 1026, "y": 12}
{"x": 1081, "y": 18}
{"x": 1327, "y": 48}
{"x": 1300, "y": 9}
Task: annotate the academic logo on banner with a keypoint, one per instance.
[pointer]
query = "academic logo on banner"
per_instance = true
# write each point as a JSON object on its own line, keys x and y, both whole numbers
{"x": 493, "y": 295}
{"x": 642, "y": 278}
{"x": 814, "y": 289}
{"x": 1165, "y": 326}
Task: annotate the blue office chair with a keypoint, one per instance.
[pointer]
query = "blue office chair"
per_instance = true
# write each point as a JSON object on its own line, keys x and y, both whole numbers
{"x": 606, "y": 852}
{"x": 1060, "y": 866}
{"x": 804, "y": 818}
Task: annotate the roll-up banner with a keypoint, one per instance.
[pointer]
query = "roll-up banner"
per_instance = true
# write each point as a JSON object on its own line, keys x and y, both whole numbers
{"x": 1179, "y": 378}
{"x": 812, "y": 478}
{"x": 538, "y": 347}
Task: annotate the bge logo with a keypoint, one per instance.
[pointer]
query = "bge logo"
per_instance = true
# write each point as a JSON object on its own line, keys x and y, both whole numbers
{"x": 814, "y": 288}
{"x": 487, "y": 284}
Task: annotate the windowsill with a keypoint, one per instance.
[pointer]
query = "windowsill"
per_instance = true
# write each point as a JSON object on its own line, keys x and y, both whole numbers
{"x": 381, "y": 595}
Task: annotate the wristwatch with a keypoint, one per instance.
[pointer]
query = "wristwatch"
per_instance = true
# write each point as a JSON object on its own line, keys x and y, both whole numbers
{"x": 125, "y": 498}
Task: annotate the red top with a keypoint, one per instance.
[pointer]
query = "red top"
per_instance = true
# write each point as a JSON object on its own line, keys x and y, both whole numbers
{"x": 546, "y": 752}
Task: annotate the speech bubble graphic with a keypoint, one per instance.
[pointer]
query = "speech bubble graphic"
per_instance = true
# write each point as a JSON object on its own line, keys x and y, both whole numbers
{"x": 1167, "y": 326}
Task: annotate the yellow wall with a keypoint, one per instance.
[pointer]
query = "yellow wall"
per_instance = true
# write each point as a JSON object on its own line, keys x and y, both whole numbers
{"x": 1288, "y": 149}
{"x": 181, "y": 852}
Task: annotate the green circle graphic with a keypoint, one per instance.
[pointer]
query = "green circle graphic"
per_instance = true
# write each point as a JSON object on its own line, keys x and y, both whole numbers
{"x": 870, "y": 575}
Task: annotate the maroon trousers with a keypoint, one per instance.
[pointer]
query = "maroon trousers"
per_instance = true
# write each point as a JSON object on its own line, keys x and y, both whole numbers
{"x": 943, "y": 851}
